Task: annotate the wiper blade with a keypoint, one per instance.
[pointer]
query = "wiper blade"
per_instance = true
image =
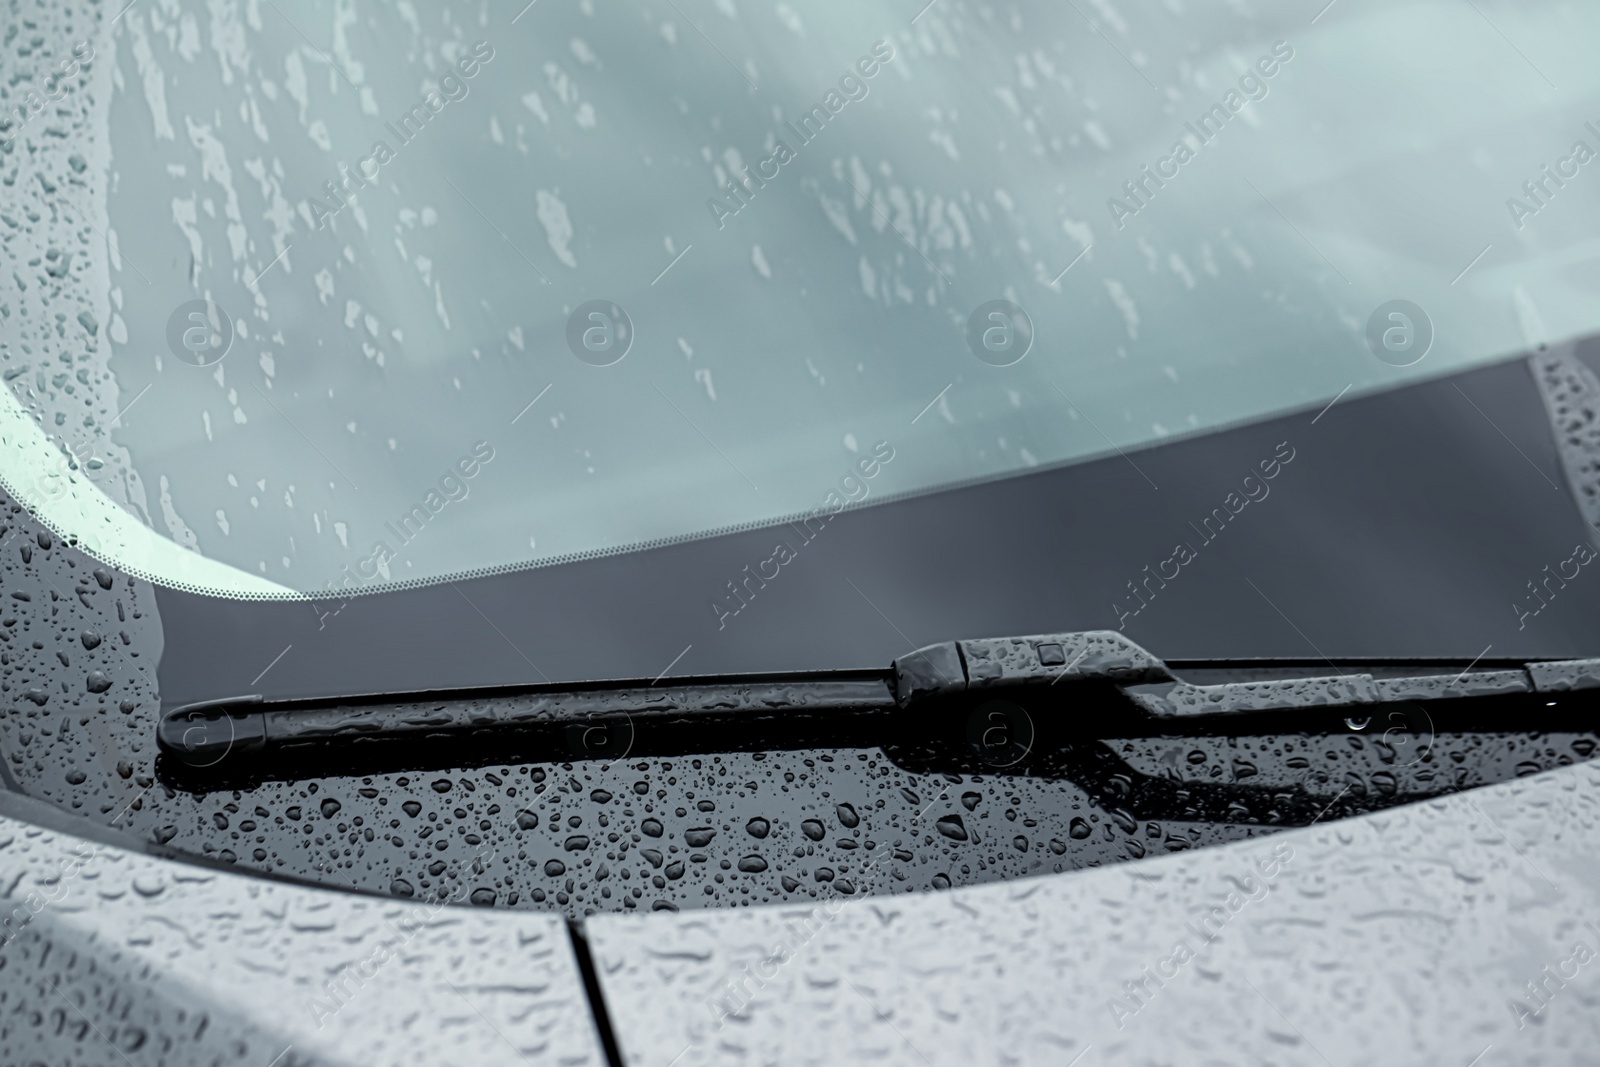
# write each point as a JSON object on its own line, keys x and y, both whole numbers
{"x": 241, "y": 735}
{"x": 204, "y": 734}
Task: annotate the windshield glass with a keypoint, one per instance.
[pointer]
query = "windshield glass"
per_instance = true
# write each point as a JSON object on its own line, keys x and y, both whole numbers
{"x": 366, "y": 294}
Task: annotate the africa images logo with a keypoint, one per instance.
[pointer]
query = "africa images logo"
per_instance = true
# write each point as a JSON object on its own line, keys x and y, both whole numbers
{"x": 855, "y": 489}
{"x": 199, "y": 332}
{"x": 851, "y": 88}
{"x": 999, "y": 333}
{"x": 1211, "y": 526}
{"x": 1541, "y": 189}
{"x": 405, "y": 130}
{"x": 453, "y": 486}
{"x": 1141, "y": 189}
{"x": 34, "y": 102}
{"x": 599, "y": 333}
{"x": 1399, "y": 333}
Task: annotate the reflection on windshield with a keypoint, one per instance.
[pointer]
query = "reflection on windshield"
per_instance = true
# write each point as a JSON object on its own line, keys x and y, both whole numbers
{"x": 653, "y": 271}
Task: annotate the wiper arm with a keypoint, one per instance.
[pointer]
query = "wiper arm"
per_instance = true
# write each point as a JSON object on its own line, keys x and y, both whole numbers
{"x": 1152, "y": 685}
